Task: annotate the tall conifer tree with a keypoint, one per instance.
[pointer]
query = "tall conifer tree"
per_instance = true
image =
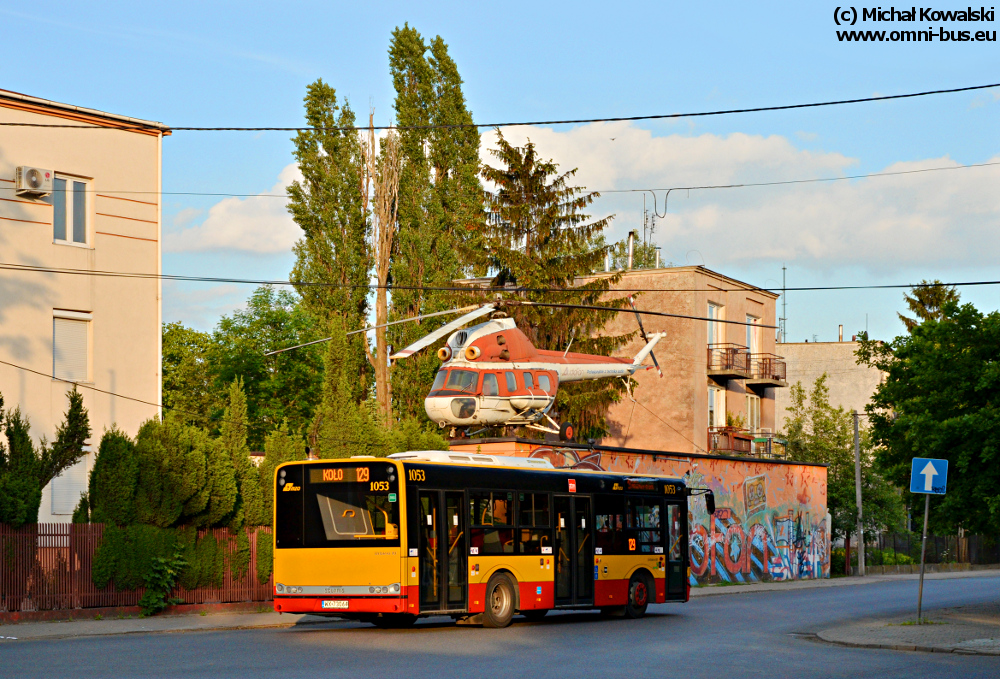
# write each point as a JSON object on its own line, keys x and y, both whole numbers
{"x": 538, "y": 237}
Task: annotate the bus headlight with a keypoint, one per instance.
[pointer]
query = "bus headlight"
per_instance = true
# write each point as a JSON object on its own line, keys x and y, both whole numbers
{"x": 395, "y": 588}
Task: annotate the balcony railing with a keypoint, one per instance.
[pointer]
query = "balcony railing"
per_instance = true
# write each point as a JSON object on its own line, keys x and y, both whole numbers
{"x": 740, "y": 441}
{"x": 728, "y": 361}
{"x": 768, "y": 369}
{"x": 729, "y": 440}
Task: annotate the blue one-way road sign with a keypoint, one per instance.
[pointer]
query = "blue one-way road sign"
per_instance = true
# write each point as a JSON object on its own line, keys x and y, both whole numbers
{"x": 929, "y": 476}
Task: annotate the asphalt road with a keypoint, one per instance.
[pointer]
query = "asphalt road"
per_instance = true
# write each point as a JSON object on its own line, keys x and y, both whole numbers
{"x": 742, "y": 635}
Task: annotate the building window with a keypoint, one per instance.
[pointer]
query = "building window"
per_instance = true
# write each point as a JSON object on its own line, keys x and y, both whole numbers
{"x": 754, "y": 334}
{"x": 753, "y": 412}
{"x": 69, "y": 210}
{"x": 71, "y": 346}
{"x": 716, "y": 407}
{"x": 69, "y": 486}
{"x": 715, "y": 314}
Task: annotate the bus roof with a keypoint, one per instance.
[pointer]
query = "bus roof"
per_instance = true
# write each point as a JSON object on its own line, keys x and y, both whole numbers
{"x": 467, "y": 458}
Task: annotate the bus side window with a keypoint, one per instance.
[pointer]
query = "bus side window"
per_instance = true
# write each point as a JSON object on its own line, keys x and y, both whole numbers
{"x": 533, "y": 522}
{"x": 490, "y": 386}
{"x": 492, "y": 521}
{"x": 609, "y": 522}
{"x": 528, "y": 382}
{"x": 511, "y": 383}
{"x": 644, "y": 523}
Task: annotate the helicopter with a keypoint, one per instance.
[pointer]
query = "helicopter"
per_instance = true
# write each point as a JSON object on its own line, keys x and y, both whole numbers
{"x": 491, "y": 374}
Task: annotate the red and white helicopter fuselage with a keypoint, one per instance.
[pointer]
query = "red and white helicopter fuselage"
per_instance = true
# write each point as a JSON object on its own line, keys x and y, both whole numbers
{"x": 493, "y": 375}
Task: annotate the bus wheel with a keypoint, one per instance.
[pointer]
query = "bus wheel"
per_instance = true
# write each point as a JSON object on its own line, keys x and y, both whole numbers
{"x": 535, "y": 614}
{"x": 499, "y": 601}
{"x": 394, "y": 620}
{"x": 638, "y": 596}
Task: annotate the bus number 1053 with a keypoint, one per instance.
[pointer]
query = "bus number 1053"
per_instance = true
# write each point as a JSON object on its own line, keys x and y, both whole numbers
{"x": 380, "y": 486}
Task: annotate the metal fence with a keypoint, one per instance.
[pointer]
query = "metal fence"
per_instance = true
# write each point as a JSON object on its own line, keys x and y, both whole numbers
{"x": 894, "y": 549}
{"x": 48, "y": 566}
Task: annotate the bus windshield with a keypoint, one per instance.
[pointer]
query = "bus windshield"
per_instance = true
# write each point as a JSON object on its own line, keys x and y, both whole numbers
{"x": 338, "y": 506}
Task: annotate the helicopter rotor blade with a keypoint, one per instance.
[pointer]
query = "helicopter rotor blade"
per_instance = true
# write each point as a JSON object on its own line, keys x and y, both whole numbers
{"x": 375, "y": 327}
{"x": 427, "y": 340}
{"x": 642, "y": 333}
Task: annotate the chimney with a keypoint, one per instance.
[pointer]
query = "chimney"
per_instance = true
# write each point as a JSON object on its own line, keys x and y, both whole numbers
{"x": 840, "y": 333}
{"x": 631, "y": 248}
{"x": 657, "y": 258}
{"x": 607, "y": 261}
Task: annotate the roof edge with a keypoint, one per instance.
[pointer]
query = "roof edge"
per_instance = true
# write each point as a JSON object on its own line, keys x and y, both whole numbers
{"x": 82, "y": 111}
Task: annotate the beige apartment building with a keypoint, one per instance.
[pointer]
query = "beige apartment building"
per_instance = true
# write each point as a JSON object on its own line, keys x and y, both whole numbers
{"x": 851, "y": 385}
{"x": 77, "y": 202}
{"x": 720, "y": 377}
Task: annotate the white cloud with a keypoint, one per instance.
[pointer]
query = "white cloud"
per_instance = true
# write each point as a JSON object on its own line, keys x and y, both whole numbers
{"x": 879, "y": 224}
{"x": 260, "y": 224}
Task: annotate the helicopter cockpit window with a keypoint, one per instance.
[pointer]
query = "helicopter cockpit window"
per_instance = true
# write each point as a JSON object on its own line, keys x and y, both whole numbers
{"x": 528, "y": 382}
{"x": 439, "y": 380}
{"x": 511, "y": 382}
{"x": 463, "y": 380}
{"x": 543, "y": 383}
{"x": 490, "y": 386}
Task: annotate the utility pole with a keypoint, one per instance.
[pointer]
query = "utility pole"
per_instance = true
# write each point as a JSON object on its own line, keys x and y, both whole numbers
{"x": 857, "y": 490}
{"x": 782, "y": 325}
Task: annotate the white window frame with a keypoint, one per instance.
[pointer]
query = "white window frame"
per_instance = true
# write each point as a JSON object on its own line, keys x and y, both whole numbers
{"x": 755, "y": 336}
{"x": 716, "y": 406}
{"x": 753, "y": 412}
{"x": 69, "y": 179}
{"x": 88, "y": 317}
{"x": 716, "y": 312}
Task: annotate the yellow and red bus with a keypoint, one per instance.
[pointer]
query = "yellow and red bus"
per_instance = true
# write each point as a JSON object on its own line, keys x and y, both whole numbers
{"x": 476, "y": 537}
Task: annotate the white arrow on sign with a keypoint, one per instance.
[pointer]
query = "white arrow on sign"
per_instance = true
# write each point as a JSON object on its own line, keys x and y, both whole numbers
{"x": 929, "y": 473}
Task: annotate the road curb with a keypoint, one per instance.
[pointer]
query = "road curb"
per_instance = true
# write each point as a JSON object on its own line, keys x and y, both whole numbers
{"x": 903, "y": 647}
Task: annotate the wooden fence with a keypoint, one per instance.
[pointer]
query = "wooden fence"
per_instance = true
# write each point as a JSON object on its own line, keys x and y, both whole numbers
{"x": 47, "y": 566}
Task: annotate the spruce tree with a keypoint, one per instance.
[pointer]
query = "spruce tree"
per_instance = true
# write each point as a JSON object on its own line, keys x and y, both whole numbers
{"x": 25, "y": 470}
{"x": 440, "y": 201}
{"x": 174, "y": 482}
{"x": 327, "y": 206}
{"x": 539, "y": 237}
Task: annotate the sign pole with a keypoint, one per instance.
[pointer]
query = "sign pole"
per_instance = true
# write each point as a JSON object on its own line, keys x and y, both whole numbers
{"x": 923, "y": 551}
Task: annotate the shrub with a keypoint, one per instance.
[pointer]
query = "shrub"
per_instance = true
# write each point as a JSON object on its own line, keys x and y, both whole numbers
{"x": 265, "y": 556}
{"x": 126, "y": 555}
{"x": 113, "y": 480}
{"x": 159, "y": 583}
{"x": 239, "y": 560}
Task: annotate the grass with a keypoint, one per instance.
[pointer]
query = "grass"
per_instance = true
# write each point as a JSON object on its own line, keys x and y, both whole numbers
{"x": 909, "y": 623}
{"x": 203, "y": 613}
{"x": 98, "y": 617}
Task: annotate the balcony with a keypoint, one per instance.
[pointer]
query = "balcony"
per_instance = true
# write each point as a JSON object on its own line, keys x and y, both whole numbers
{"x": 729, "y": 441}
{"x": 767, "y": 370}
{"x": 729, "y": 362}
{"x": 743, "y": 442}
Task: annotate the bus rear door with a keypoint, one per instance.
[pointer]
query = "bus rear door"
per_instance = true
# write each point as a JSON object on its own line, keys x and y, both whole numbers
{"x": 443, "y": 539}
{"x": 574, "y": 551}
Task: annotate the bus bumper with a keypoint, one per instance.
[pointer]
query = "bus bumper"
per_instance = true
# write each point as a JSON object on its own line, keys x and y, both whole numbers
{"x": 342, "y": 605}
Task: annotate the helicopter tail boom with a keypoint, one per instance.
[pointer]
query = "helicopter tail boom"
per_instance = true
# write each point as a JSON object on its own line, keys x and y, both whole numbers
{"x": 648, "y": 349}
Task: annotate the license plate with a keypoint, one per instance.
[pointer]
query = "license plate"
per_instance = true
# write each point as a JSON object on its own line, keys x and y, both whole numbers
{"x": 335, "y": 604}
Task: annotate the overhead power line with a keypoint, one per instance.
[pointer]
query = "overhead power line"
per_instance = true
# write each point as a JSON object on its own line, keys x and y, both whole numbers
{"x": 27, "y": 268}
{"x": 745, "y": 185}
{"x": 569, "y": 121}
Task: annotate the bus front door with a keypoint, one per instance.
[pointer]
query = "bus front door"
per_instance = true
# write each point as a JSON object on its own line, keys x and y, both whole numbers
{"x": 443, "y": 572}
{"x": 574, "y": 552}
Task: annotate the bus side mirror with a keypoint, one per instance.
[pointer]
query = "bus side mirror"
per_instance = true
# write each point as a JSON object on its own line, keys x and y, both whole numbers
{"x": 710, "y": 502}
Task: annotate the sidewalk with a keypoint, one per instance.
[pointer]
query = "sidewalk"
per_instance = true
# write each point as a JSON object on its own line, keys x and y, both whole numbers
{"x": 966, "y": 629}
{"x": 216, "y": 621}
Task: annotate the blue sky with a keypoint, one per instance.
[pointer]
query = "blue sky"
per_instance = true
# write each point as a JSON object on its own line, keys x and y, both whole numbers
{"x": 243, "y": 64}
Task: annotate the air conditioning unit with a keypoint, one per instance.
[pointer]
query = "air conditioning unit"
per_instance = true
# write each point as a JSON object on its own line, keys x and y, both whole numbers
{"x": 765, "y": 430}
{"x": 32, "y": 181}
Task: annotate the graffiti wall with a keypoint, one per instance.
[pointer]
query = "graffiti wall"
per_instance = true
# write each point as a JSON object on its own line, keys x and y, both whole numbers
{"x": 770, "y": 521}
